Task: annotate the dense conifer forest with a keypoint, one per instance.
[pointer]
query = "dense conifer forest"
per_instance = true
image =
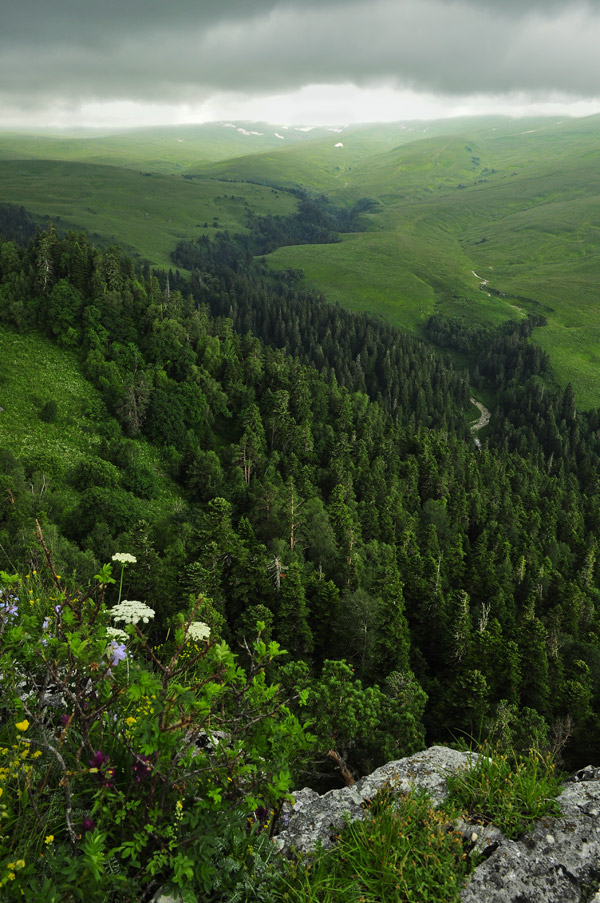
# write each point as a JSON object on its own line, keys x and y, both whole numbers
{"x": 325, "y": 483}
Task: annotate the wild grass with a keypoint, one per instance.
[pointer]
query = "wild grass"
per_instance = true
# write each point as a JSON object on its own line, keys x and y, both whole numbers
{"x": 512, "y": 791}
{"x": 407, "y": 851}
{"x": 404, "y": 851}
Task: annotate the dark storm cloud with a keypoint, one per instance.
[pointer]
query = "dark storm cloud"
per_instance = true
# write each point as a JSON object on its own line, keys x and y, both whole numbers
{"x": 71, "y": 51}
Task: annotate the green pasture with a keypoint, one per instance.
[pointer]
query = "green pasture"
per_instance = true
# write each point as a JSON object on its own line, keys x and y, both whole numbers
{"x": 34, "y": 371}
{"x": 147, "y": 214}
{"x": 575, "y": 356}
{"x": 395, "y": 276}
{"x": 525, "y": 217}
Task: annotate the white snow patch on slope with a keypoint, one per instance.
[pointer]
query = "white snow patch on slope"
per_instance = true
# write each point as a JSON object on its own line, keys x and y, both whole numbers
{"x": 339, "y": 144}
{"x": 277, "y": 135}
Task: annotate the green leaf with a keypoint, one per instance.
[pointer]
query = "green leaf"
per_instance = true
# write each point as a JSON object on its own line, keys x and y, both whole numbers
{"x": 104, "y": 576}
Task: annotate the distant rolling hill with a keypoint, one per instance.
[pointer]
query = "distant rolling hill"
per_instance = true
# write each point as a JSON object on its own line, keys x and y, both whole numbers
{"x": 147, "y": 213}
{"x": 168, "y": 149}
{"x": 514, "y": 203}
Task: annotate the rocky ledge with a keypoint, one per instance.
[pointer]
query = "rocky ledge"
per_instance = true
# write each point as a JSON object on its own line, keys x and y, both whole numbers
{"x": 558, "y": 862}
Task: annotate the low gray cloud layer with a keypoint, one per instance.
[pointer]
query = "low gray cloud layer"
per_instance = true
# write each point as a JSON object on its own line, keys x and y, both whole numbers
{"x": 73, "y": 51}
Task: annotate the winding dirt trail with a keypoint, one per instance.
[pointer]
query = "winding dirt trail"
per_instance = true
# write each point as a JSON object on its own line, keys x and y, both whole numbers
{"x": 482, "y": 284}
{"x": 484, "y": 419}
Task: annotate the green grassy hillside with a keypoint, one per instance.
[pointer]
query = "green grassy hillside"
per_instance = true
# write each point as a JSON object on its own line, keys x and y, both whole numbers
{"x": 515, "y": 203}
{"x": 34, "y": 371}
{"x": 519, "y": 208}
{"x": 145, "y": 213}
{"x": 171, "y": 149}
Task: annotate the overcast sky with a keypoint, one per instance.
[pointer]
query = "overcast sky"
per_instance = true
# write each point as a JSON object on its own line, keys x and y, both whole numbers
{"x": 138, "y": 62}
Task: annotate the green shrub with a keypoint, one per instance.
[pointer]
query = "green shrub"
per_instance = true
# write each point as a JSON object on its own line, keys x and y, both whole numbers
{"x": 127, "y": 766}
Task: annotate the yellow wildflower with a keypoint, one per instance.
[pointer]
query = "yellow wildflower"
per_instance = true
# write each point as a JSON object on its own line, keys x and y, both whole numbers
{"x": 49, "y": 838}
{"x": 22, "y": 725}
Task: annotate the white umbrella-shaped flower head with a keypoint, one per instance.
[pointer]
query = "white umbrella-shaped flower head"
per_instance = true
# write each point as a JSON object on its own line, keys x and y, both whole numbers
{"x": 131, "y": 611}
{"x": 198, "y": 630}
{"x": 124, "y": 558}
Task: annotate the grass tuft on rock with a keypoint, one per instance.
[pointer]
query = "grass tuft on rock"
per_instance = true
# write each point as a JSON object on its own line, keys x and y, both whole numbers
{"x": 511, "y": 791}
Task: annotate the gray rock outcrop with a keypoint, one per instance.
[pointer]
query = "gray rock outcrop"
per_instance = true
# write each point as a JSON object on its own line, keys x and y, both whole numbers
{"x": 314, "y": 817}
{"x": 558, "y": 862}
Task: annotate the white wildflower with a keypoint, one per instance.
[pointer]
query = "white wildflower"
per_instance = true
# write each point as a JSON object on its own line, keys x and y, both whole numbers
{"x": 124, "y": 558}
{"x": 198, "y": 630}
{"x": 115, "y": 634}
{"x": 131, "y": 612}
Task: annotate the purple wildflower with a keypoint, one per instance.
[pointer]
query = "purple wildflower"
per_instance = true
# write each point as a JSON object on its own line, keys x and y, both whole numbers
{"x": 99, "y": 760}
{"x": 261, "y": 814}
{"x": 141, "y": 768}
{"x": 8, "y": 607}
{"x": 45, "y": 626}
{"x": 88, "y": 824}
{"x": 117, "y": 651}
{"x": 104, "y": 774}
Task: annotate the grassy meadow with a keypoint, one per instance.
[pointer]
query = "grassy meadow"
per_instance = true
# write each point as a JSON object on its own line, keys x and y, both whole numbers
{"x": 34, "y": 371}
{"x": 145, "y": 213}
{"x": 520, "y": 211}
{"x": 515, "y": 203}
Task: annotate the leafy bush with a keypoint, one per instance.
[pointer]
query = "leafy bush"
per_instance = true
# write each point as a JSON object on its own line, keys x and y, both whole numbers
{"x": 126, "y": 766}
{"x": 510, "y": 791}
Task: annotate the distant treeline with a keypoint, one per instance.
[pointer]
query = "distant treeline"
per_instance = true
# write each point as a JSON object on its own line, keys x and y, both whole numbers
{"x": 531, "y": 415}
{"x": 317, "y": 221}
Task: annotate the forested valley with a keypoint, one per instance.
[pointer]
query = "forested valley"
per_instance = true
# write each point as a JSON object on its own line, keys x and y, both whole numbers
{"x": 325, "y": 483}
